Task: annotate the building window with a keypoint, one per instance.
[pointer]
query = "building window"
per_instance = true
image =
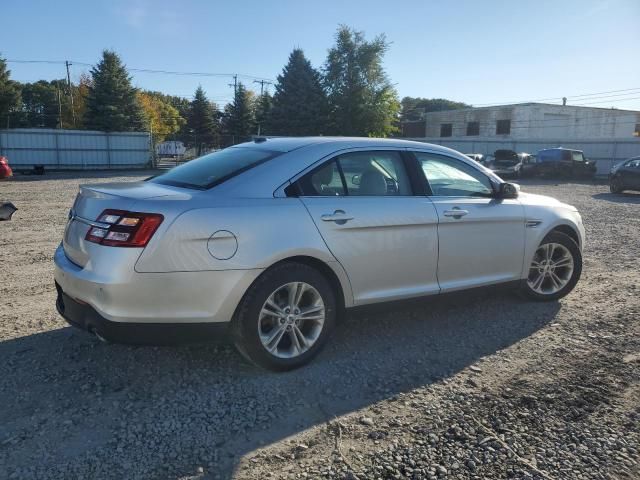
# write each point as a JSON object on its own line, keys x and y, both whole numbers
{"x": 473, "y": 128}
{"x": 636, "y": 132}
{"x": 446, "y": 129}
{"x": 503, "y": 127}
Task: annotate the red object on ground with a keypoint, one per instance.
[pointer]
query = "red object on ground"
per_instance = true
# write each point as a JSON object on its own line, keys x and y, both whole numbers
{"x": 5, "y": 169}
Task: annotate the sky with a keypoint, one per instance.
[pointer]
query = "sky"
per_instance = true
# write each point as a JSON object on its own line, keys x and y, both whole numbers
{"x": 478, "y": 52}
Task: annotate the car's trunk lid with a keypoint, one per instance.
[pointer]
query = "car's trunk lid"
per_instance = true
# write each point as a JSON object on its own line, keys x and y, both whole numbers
{"x": 92, "y": 200}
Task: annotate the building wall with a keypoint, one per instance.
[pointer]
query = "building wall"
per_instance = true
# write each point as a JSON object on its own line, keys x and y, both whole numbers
{"x": 538, "y": 121}
{"x": 74, "y": 149}
{"x": 605, "y": 151}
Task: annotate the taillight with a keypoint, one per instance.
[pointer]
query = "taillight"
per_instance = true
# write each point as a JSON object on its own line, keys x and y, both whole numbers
{"x": 124, "y": 229}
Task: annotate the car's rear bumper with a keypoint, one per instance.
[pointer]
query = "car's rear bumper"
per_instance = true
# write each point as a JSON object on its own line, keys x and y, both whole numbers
{"x": 85, "y": 317}
{"x": 119, "y": 294}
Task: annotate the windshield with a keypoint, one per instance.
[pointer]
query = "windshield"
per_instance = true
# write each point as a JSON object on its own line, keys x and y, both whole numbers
{"x": 214, "y": 168}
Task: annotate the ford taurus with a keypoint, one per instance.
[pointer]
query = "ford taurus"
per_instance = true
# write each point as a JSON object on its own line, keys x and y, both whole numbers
{"x": 267, "y": 242}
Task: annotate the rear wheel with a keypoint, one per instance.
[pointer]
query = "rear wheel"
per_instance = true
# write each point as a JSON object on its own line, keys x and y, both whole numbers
{"x": 555, "y": 268}
{"x": 286, "y": 317}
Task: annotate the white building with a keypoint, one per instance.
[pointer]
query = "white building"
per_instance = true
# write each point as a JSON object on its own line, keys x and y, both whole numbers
{"x": 534, "y": 121}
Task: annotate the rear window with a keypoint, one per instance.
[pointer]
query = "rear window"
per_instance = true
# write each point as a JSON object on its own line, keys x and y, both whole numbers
{"x": 212, "y": 169}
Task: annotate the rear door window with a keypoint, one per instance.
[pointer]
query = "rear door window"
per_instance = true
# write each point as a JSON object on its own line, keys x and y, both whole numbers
{"x": 368, "y": 173}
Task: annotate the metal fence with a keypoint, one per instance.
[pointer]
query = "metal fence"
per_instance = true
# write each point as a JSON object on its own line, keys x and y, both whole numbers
{"x": 75, "y": 149}
{"x": 605, "y": 152}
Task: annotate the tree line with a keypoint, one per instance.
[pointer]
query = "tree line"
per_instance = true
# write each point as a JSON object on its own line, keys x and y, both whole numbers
{"x": 350, "y": 95}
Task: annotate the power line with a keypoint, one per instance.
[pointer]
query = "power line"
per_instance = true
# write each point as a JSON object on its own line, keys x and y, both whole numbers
{"x": 148, "y": 70}
{"x": 555, "y": 98}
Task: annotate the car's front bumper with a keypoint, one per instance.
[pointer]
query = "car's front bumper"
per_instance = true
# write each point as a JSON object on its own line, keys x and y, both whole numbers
{"x": 118, "y": 299}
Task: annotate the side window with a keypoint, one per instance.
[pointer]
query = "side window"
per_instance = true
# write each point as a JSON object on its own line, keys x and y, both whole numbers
{"x": 324, "y": 181}
{"x": 376, "y": 173}
{"x": 448, "y": 177}
{"x": 577, "y": 156}
{"x": 566, "y": 155}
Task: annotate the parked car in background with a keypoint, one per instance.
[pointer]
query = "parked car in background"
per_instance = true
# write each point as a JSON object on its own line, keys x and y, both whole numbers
{"x": 268, "y": 241}
{"x": 5, "y": 169}
{"x": 564, "y": 163}
{"x": 478, "y": 157}
{"x": 509, "y": 164}
{"x": 625, "y": 176}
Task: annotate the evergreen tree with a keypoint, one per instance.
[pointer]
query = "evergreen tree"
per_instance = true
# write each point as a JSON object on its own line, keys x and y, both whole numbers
{"x": 299, "y": 103}
{"x": 362, "y": 101}
{"x": 112, "y": 103}
{"x": 9, "y": 93}
{"x": 202, "y": 121}
{"x": 263, "y": 111}
{"x": 240, "y": 115}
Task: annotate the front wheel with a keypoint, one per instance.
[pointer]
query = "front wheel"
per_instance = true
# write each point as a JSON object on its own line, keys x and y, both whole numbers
{"x": 286, "y": 317}
{"x": 555, "y": 268}
{"x": 615, "y": 186}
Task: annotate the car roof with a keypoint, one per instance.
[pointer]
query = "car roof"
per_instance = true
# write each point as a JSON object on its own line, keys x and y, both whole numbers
{"x": 288, "y": 144}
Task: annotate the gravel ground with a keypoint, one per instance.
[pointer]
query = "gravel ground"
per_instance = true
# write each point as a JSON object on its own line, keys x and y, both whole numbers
{"x": 480, "y": 385}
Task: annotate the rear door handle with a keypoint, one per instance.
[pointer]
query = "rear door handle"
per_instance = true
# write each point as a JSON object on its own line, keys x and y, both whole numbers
{"x": 339, "y": 216}
{"x": 455, "y": 213}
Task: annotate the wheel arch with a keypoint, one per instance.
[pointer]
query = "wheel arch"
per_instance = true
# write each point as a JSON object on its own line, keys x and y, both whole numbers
{"x": 329, "y": 273}
{"x": 567, "y": 230}
{"x": 338, "y": 280}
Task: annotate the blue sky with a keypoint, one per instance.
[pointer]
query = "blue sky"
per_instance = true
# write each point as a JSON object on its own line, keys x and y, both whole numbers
{"x": 480, "y": 52}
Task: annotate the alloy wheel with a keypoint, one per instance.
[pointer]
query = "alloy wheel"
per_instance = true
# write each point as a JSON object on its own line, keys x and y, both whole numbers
{"x": 291, "y": 320}
{"x": 551, "y": 269}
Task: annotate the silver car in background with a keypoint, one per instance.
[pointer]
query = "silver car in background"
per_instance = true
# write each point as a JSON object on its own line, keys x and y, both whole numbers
{"x": 269, "y": 241}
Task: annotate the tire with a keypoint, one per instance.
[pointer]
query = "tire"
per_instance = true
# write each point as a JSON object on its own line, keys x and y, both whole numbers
{"x": 615, "y": 186}
{"x": 252, "y": 326}
{"x": 553, "y": 287}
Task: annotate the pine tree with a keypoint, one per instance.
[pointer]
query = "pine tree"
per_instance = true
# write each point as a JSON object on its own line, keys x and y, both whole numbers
{"x": 112, "y": 103}
{"x": 240, "y": 115}
{"x": 9, "y": 93}
{"x": 299, "y": 102}
{"x": 263, "y": 110}
{"x": 202, "y": 121}
{"x": 362, "y": 101}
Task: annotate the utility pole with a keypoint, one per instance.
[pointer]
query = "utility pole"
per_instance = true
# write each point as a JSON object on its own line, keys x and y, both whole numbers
{"x": 73, "y": 110}
{"x": 262, "y": 84}
{"x": 234, "y": 85}
{"x": 59, "y": 109}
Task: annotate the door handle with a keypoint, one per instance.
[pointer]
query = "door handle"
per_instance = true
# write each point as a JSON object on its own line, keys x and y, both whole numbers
{"x": 339, "y": 216}
{"x": 455, "y": 213}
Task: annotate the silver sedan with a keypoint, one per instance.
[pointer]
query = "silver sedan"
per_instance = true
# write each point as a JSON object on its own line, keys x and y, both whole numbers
{"x": 268, "y": 242}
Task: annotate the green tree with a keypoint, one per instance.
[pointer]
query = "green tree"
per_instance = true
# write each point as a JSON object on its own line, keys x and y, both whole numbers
{"x": 413, "y": 108}
{"x": 112, "y": 103}
{"x": 240, "y": 114}
{"x": 263, "y": 106}
{"x": 9, "y": 93}
{"x": 44, "y": 105}
{"x": 299, "y": 102}
{"x": 362, "y": 101}
{"x": 202, "y": 122}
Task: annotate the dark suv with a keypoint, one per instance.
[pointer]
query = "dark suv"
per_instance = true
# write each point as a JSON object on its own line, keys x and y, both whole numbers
{"x": 564, "y": 162}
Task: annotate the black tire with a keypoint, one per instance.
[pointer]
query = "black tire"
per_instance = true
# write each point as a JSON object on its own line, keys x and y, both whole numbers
{"x": 557, "y": 237}
{"x": 615, "y": 186}
{"x": 246, "y": 321}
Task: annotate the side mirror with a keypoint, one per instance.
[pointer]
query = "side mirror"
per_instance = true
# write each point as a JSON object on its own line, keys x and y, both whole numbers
{"x": 355, "y": 179}
{"x": 508, "y": 190}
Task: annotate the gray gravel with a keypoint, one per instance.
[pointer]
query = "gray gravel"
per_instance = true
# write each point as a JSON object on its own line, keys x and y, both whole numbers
{"x": 479, "y": 385}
